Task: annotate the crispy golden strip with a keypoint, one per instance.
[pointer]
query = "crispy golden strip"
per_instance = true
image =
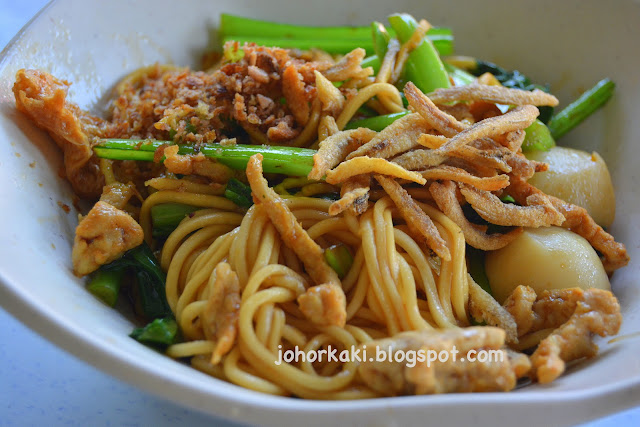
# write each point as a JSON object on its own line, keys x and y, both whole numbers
{"x": 436, "y": 118}
{"x": 162, "y": 183}
{"x": 493, "y": 94}
{"x": 452, "y": 173}
{"x": 460, "y": 112}
{"x": 539, "y": 212}
{"x": 444, "y": 194}
{"x": 324, "y": 304}
{"x": 419, "y": 159}
{"x": 362, "y": 165}
{"x": 398, "y": 137}
{"x": 335, "y": 148}
{"x": 293, "y": 235}
{"x": 479, "y": 159}
{"x": 577, "y": 219}
{"x": 327, "y": 127}
{"x": 483, "y": 307}
{"x": 349, "y": 67}
{"x": 330, "y": 96}
{"x": 193, "y": 164}
{"x": 220, "y": 315}
{"x": 118, "y": 194}
{"x": 516, "y": 119}
{"x": 432, "y": 141}
{"x": 354, "y": 196}
{"x": 597, "y": 312}
{"x": 513, "y": 140}
{"x": 523, "y": 167}
{"x": 418, "y": 221}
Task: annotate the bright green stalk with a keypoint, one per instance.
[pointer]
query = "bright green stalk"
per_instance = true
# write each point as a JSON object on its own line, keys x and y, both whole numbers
{"x": 165, "y": 217}
{"x": 286, "y": 160}
{"x": 376, "y": 123}
{"x": 424, "y": 67}
{"x": 460, "y": 77}
{"x": 537, "y": 138}
{"x": 337, "y": 46}
{"x": 380, "y": 39}
{"x": 105, "y": 284}
{"x": 231, "y": 25}
{"x": 573, "y": 114}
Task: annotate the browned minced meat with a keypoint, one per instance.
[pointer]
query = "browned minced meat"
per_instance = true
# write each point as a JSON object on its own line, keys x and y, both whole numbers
{"x": 178, "y": 104}
{"x": 196, "y": 106}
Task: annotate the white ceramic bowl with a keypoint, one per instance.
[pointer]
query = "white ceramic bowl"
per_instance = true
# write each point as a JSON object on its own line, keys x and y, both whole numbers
{"x": 570, "y": 44}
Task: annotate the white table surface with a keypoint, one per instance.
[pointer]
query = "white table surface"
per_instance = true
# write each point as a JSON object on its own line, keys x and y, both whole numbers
{"x": 43, "y": 385}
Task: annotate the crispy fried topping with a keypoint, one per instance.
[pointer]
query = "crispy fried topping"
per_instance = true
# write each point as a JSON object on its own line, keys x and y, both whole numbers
{"x": 577, "y": 220}
{"x": 444, "y": 194}
{"x": 483, "y": 307}
{"x": 419, "y": 223}
{"x": 493, "y": 94}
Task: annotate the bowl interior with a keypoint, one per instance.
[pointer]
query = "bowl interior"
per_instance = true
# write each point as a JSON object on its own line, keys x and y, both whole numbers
{"x": 568, "y": 44}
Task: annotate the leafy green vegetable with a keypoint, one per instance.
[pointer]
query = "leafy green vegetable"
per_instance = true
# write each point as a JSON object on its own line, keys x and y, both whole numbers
{"x": 339, "y": 258}
{"x": 165, "y": 217}
{"x": 537, "y": 138}
{"x": 376, "y": 123}
{"x": 149, "y": 291}
{"x": 105, "y": 284}
{"x": 239, "y": 193}
{"x": 475, "y": 264}
{"x": 159, "y": 333}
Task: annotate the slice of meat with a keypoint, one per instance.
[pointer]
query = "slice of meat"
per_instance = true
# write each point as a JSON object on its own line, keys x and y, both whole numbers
{"x": 42, "y": 97}
{"x": 392, "y": 378}
{"x": 220, "y": 315}
{"x": 520, "y": 305}
{"x": 118, "y": 194}
{"x": 597, "y": 312}
{"x": 324, "y": 304}
{"x": 578, "y": 220}
{"x": 103, "y": 236}
{"x": 193, "y": 164}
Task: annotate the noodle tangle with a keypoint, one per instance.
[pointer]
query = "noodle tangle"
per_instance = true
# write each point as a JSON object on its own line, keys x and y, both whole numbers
{"x": 392, "y": 286}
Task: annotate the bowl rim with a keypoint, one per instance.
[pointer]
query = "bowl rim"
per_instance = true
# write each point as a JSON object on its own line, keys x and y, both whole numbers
{"x": 73, "y": 339}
